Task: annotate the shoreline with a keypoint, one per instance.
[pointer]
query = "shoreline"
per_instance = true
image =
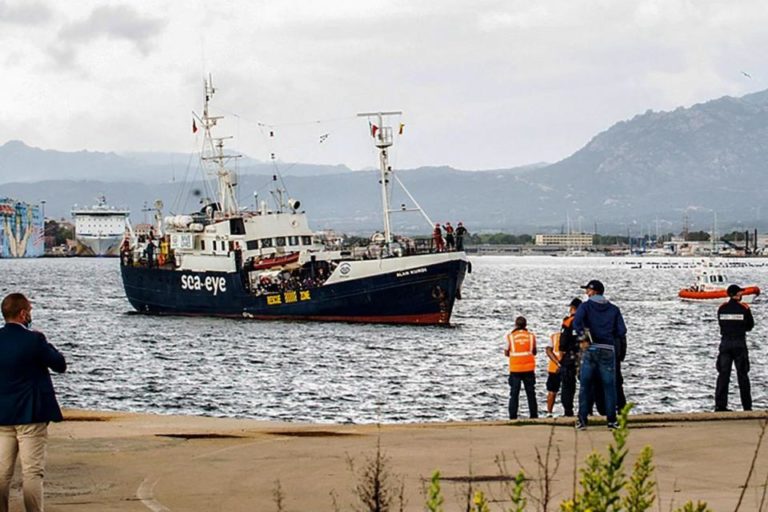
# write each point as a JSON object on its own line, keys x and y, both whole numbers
{"x": 132, "y": 461}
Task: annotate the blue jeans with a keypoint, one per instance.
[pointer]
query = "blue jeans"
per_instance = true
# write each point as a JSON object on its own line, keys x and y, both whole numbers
{"x": 597, "y": 364}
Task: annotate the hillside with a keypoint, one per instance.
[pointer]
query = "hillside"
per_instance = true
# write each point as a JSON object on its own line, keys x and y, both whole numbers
{"x": 658, "y": 167}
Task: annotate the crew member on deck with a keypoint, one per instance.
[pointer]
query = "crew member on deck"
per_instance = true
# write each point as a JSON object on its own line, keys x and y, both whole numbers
{"x": 149, "y": 250}
{"x": 461, "y": 231}
{"x": 735, "y": 319}
{"x": 437, "y": 236}
{"x": 449, "y": 241}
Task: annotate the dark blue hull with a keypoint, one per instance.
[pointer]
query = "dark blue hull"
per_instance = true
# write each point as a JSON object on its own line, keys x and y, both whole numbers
{"x": 426, "y": 297}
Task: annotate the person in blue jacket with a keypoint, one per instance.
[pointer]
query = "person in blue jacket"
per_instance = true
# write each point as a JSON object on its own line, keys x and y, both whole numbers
{"x": 602, "y": 332}
{"x": 27, "y": 400}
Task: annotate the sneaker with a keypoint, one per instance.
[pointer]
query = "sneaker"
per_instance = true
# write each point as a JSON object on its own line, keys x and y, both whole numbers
{"x": 612, "y": 425}
{"x": 549, "y": 415}
{"x": 580, "y": 426}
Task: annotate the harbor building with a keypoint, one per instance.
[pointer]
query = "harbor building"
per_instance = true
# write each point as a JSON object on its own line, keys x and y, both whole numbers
{"x": 21, "y": 229}
{"x": 565, "y": 239}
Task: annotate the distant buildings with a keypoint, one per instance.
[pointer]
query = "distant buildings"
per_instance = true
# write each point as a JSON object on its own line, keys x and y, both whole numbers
{"x": 21, "y": 229}
{"x": 565, "y": 239}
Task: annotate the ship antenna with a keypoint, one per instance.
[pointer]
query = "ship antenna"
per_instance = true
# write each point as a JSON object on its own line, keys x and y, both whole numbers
{"x": 383, "y": 139}
{"x": 213, "y": 151}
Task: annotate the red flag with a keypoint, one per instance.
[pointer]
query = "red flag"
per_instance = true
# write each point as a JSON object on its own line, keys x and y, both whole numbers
{"x": 194, "y": 126}
{"x": 374, "y": 129}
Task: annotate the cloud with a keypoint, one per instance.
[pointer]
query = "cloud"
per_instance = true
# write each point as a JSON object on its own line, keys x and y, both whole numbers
{"x": 27, "y": 13}
{"x": 119, "y": 22}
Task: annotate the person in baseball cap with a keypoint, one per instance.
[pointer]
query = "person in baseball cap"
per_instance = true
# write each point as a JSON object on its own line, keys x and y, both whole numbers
{"x": 602, "y": 324}
{"x": 734, "y": 290}
{"x": 595, "y": 286}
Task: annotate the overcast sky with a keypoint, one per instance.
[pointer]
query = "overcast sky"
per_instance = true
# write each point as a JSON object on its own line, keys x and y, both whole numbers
{"x": 483, "y": 84}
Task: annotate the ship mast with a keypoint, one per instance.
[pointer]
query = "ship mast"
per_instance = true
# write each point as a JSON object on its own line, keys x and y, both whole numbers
{"x": 213, "y": 151}
{"x": 383, "y": 140}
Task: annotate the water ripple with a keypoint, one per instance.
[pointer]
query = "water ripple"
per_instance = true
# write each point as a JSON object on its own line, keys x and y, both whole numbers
{"x": 345, "y": 373}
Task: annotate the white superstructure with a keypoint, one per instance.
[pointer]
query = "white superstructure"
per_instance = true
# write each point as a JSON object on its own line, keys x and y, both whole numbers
{"x": 100, "y": 229}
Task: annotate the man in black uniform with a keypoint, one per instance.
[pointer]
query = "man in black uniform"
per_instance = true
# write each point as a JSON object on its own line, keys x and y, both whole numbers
{"x": 735, "y": 319}
{"x": 569, "y": 347}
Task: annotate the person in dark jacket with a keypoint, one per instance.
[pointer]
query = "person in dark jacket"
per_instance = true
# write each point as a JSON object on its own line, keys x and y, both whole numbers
{"x": 27, "y": 400}
{"x": 461, "y": 232}
{"x": 735, "y": 319}
{"x": 601, "y": 329}
{"x": 569, "y": 347}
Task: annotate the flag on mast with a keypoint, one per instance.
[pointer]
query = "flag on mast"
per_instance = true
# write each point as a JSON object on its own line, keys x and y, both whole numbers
{"x": 194, "y": 126}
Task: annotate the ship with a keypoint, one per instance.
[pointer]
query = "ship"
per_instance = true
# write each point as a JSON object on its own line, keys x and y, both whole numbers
{"x": 268, "y": 264}
{"x": 21, "y": 229}
{"x": 100, "y": 229}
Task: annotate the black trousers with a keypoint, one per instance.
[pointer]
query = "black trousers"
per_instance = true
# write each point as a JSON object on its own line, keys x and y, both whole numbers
{"x": 568, "y": 392}
{"x": 528, "y": 379}
{"x": 621, "y": 399}
{"x": 738, "y": 356}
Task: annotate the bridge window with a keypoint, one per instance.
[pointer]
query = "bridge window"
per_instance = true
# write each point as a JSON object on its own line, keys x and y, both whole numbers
{"x": 306, "y": 240}
{"x": 266, "y": 242}
{"x": 280, "y": 241}
{"x": 236, "y": 226}
{"x": 252, "y": 245}
{"x": 293, "y": 240}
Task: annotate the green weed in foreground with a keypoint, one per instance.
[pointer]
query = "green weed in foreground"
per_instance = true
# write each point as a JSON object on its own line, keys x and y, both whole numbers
{"x": 434, "y": 495}
{"x": 604, "y": 484}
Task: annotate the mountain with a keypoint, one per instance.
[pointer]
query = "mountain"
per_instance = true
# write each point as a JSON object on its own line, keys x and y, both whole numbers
{"x": 657, "y": 168}
{"x": 22, "y": 163}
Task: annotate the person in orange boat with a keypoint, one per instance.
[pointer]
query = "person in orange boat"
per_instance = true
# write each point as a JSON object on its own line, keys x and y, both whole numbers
{"x": 735, "y": 319}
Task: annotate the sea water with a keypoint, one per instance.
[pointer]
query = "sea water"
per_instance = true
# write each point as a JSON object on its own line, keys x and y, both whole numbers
{"x": 336, "y": 372}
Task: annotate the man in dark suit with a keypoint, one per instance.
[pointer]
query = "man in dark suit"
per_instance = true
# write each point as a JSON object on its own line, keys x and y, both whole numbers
{"x": 27, "y": 400}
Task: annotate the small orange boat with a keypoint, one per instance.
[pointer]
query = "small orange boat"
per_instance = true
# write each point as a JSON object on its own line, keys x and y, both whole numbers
{"x": 712, "y": 284}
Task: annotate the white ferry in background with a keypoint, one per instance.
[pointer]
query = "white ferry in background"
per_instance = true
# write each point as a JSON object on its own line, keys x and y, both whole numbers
{"x": 100, "y": 229}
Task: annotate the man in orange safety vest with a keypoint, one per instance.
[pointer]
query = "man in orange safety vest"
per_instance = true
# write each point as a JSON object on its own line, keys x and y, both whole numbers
{"x": 521, "y": 351}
